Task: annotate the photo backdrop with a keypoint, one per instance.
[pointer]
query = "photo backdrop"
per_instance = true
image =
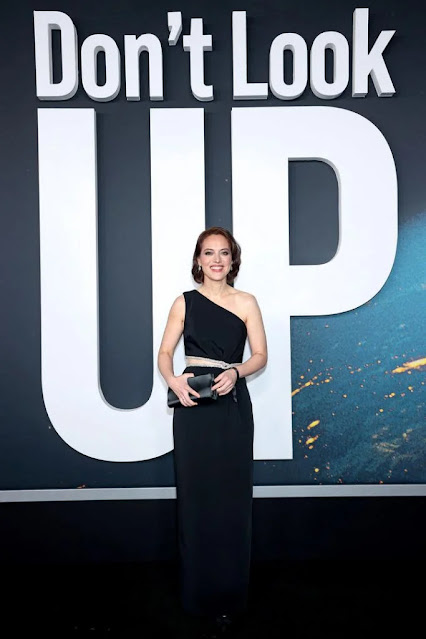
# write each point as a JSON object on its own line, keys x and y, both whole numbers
{"x": 356, "y": 396}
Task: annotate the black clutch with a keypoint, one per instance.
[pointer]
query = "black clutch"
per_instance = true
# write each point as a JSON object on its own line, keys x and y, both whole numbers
{"x": 202, "y": 384}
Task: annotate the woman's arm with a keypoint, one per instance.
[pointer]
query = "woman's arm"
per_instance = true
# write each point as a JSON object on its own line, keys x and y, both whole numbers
{"x": 171, "y": 336}
{"x": 257, "y": 339}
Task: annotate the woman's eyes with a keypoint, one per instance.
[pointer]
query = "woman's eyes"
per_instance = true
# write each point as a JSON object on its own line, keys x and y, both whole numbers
{"x": 209, "y": 253}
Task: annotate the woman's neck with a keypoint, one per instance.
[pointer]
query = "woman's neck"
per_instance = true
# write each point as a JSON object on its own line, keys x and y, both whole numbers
{"x": 215, "y": 289}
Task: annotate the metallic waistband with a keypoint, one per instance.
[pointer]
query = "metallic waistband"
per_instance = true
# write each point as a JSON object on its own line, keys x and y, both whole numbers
{"x": 206, "y": 361}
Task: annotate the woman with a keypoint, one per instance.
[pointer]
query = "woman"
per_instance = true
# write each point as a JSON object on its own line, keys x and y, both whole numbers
{"x": 214, "y": 441}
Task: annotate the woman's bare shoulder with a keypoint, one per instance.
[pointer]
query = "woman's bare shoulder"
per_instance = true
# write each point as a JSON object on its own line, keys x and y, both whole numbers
{"x": 247, "y": 303}
{"x": 178, "y": 307}
{"x": 245, "y": 297}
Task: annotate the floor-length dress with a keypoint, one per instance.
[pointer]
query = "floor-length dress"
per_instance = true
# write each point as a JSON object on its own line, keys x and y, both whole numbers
{"x": 213, "y": 454}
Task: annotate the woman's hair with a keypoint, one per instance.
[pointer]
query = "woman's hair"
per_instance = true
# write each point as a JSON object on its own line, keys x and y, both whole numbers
{"x": 233, "y": 245}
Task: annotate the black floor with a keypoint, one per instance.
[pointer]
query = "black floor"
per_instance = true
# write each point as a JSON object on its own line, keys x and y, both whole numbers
{"x": 287, "y": 599}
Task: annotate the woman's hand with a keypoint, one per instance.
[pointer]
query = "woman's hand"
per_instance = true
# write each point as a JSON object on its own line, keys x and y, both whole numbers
{"x": 182, "y": 389}
{"x": 225, "y": 381}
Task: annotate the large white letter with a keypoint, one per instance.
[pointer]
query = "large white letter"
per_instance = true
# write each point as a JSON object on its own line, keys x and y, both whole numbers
{"x": 44, "y": 23}
{"x": 89, "y": 51}
{"x": 133, "y": 47}
{"x": 365, "y": 63}
{"x": 339, "y": 45}
{"x": 296, "y": 44}
{"x": 243, "y": 90}
{"x": 196, "y": 43}
{"x": 263, "y": 142}
{"x": 72, "y": 394}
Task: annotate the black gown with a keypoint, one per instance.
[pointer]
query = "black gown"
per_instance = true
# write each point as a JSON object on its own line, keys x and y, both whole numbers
{"x": 213, "y": 454}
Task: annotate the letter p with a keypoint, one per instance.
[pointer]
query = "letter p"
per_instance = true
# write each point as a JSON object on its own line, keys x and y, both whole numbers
{"x": 264, "y": 140}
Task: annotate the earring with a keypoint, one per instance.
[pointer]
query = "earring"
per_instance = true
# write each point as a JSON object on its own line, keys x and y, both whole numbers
{"x": 231, "y": 267}
{"x": 199, "y": 267}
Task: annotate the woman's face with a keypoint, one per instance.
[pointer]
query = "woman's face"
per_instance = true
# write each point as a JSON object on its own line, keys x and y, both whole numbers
{"x": 215, "y": 257}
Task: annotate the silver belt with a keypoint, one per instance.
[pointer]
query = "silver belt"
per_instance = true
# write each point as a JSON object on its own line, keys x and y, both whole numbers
{"x": 192, "y": 360}
{"x": 206, "y": 361}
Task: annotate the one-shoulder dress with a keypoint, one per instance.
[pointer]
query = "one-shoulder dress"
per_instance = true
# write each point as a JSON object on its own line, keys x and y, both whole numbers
{"x": 213, "y": 457}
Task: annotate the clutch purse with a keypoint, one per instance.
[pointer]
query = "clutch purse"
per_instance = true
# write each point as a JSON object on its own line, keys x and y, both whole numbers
{"x": 202, "y": 384}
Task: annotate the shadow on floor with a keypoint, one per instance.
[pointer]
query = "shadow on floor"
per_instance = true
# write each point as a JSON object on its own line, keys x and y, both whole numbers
{"x": 297, "y": 599}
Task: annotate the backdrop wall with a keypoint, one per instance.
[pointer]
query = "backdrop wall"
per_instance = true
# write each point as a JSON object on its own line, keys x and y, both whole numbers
{"x": 107, "y": 180}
